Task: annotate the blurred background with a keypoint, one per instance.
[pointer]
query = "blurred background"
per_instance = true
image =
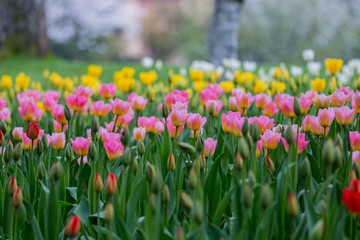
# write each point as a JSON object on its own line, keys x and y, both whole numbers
{"x": 179, "y": 31}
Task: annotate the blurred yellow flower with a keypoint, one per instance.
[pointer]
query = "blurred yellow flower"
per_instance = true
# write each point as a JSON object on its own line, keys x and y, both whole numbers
{"x": 148, "y": 78}
{"x": 242, "y": 78}
{"x": 127, "y": 72}
{"x": 22, "y": 81}
{"x": 333, "y": 65}
{"x": 56, "y": 79}
{"x": 277, "y": 73}
{"x": 227, "y": 86}
{"x": 6, "y": 82}
{"x": 125, "y": 84}
{"x": 94, "y": 70}
{"x": 36, "y": 85}
{"x": 68, "y": 84}
{"x": 189, "y": 92}
{"x": 40, "y": 105}
{"x": 277, "y": 87}
{"x": 285, "y": 74}
{"x": 89, "y": 80}
{"x": 196, "y": 75}
{"x": 46, "y": 73}
{"x": 199, "y": 86}
{"x": 318, "y": 84}
{"x": 259, "y": 87}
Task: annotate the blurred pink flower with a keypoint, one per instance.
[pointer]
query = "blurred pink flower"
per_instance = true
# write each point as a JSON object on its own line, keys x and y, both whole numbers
{"x": 305, "y": 104}
{"x": 287, "y": 107}
{"x": 113, "y": 149}
{"x": 213, "y": 107}
{"x": 84, "y": 91}
{"x": 5, "y": 114}
{"x": 355, "y": 141}
{"x": 178, "y": 117}
{"x": 120, "y": 107}
{"x": 110, "y": 136}
{"x": 301, "y": 142}
{"x": 58, "y": 114}
{"x": 261, "y": 100}
{"x": 81, "y": 145}
{"x": 58, "y": 127}
{"x": 107, "y": 90}
{"x": 338, "y": 99}
{"x": 138, "y": 103}
{"x": 244, "y": 100}
{"x": 326, "y": 116}
{"x": 322, "y": 101}
{"x": 76, "y": 102}
{"x": 29, "y": 112}
{"x": 172, "y": 128}
{"x": 270, "y": 140}
{"x": 17, "y": 133}
{"x": 172, "y": 98}
{"x": 264, "y": 123}
{"x": 99, "y": 108}
{"x": 125, "y": 120}
{"x": 139, "y": 133}
{"x": 209, "y": 147}
{"x": 344, "y": 115}
{"x": 195, "y": 121}
{"x": 270, "y": 109}
{"x": 57, "y": 140}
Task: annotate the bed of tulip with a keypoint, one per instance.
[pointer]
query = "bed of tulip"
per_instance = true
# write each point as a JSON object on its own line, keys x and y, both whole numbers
{"x": 188, "y": 157}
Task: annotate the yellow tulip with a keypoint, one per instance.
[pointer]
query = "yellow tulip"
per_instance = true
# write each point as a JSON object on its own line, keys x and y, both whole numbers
{"x": 242, "y": 78}
{"x": 318, "y": 84}
{"x": 227, "y": 86}
{"x": 277, "y": 87}
{"x": 6, "y": 82}
{"x": 189, "y": 92}
{"x": 89, "y": 80}
{"x": 94, "y": 70}
{"x": 196, "y": 75}
{"x": 285, "y": 74}
{"x": 199, "y": 86}
{"x": 333, "y": 65}
{"x": 68, "y": 84}
{"x": 36, "y": 86}
{"x": 277, "y": 73}
{"x": 46, "y": 73}
{"x": 148, "y": 78}
{"x": 259, "y": 87}
{"x": 40, "y": 105}
{"x": 22, "y": 81}
{"x": 125, "y": 84}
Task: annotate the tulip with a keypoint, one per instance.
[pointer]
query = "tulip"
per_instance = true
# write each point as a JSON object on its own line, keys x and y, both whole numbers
{"x": 81, "y": 145}
{"x": 301, "y": 142}
{"x": 318, "y": 84}
{"x": 322, "y": 101}
{"x": 147, "y": 122}
{"x": 98, "y": 183}
{"x": 233, "y": 104}
{"x": 49, "y": 102}
{"x": 32, "y": 131}
{"x": 172, "y": 128}
{"x": 344, "y": 115}
{"x": 270, "y": 109}
{"x": 59, "y": 115}
{"x": 305, "y": 104}
{"x": 357, "y": 99}
{"x": 333, "y": 65}
{"x": 139, "y": 133}
{"x": 209, "y": 147}
{"x": 76, "y": 102}
{"x": 113, "y": 149}
{"x": 138, "y": 103}
{"x": 172, "y": 98}
{"x": 72, "y": 228}
{"x": 12, "y": 186}
{"x": 244, "y": 100}
{"x": 58, "y": 127}
{"x": 107, "y": 91}
{"x": 17, "y": 133}
{"x": 355, "y": 140}
{"x": 124, "y": 120}
{"x": 287, "y": 107}
{"x": 264, "y": 123}
{"x": 178, "y": 117}
{"x": 84, "y": 91}
{"x": 158, "y": 127}
{"x": 111, "y": 184}
{"x": 353, "y": 106}
{"x": 351, "y": 197}
{"x": 30, "y": 112}
{"x": 17, "y": 199}
{"x": 213, "y": 107}
{"x": 338, "y": 99}
{"x": 238, "y": 123}
{"x": 57, "y": 140}
{"x": 270, "y": 140}
{"x": 195, "y": 121}
{"x": 227, "y": 122}
{"x": 179, "y": 106}
{"x": 326, "y": 117}
{"x": 261, "y": 100}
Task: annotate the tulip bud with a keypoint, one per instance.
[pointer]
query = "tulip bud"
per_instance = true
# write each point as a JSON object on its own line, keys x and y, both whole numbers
{"x": 238, "y": 164}
{"x": 186, "y": 200}
{"x": 180, "y": 234}
{"x": 127, "y": 156}
{"x": 211, "y": 108}
{"x": 352, "y": 175}
{"x": 92, "y": 150}
{"x": 198, "y": 212}
{"x": 153, "y": 202}
{"x": 33, "y": 131}
{"x": 111, "y": 184}
{"x": 328, "y": 152}
{"x": 149, "y": 171}
{"x": 255, "y": 132}
{"x": 166, "y": 194}
{"x": 41, "y": 170}
{"x": 305, "y": 167}
{"x": 17, "y": 152}
{"x": 56, "y": 171}
{"x": 338, "y": 156}
{"x": 245, "y": 127}
{"x": 292, "y": 206}
{"x": 95, "y": 124}
{"x": 270, "y": 164}
{"x": 171, "y": 162}
{"x": 109, "y": 212}
{"x": 249, "y": 141}
{"x": 44, "y": 141}
{"x": 135, "y": 164}
{"x": 289, "y": 135}
{"x": 126, "y": 136}
{"x": 186, "y": 147}
{"x": 339, "y": 141}
{"x": 8, "y": 152}
{"x": 17, "y": 198}
{"x": 69, "y": 154}
{"x": 248, "y": 196}
{"x": 3, "y": 126}
{"x": 67, "y": 112}
{"x": 72, "y": 229}
{"x": 98, "y": 183}
{"x": 252, "y": 178}
{"x": 140, "y": 147}
{"x": 266, "y": 196}
{"x": 243, "y": 148}
{"x": 39, "y": 147}
{"x": 317, "y": 232}
{"x": 199, "y": 143}
{"x": 12, "y": 186}
{"x": 156, "y": 183}
{"x": 2, "y": 139}
{"x": 322, "y": 208}
{"x": 297, "y": 107}
{"x": 165, "y": 111}
{"x": 192, "y": 178}
{"x": 202, "y": 161}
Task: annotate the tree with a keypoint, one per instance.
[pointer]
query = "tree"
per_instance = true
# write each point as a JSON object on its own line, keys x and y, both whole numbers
{"x": 224, "y": 30}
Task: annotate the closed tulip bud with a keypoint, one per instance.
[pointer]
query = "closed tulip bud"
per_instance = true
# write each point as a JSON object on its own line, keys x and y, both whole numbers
{"x": 180, "y": 234}
{"x": 166, "y": 194}
{"x": 95, "y": 124}
{"x": 266, "y": 196}
{"x": 72, "y": 228}
{"x": 56, "y": 171}
{"x": 186, "y": 147}
{"x": 255, "y": 132}
{"x": 192, "y": 178}
{"x": 125, "y": 137}
{"x": 92, "y": 150}
{"x": 2, "y": 139}
{"x": 111, "y": 184}
{"x": 270, "y": 164}
{"x": 292, "y": 205}
{"x": 165, "y": 111}
{"x": 69, "y": 154}
{"x": 199, "y": 143}
{"x": 211, "y": 109}
{"x": 67, "y": 113}
{"x": 127, "y": 156}
{"x": 17, "y": 152}
{"x": 33, "y": 131}
{"x": 39, "y": 147}
{"x": 322, "y": 208}
{"x": 305, "y": 167}
{"x": 202, "y": 161}
{"x": 109, "y": 212}
{"x": 289, "y": 135}
{"x": 238, "y": 164}
{"x": 339, "y": 141}
{"x": 297, "y": 107}
{"x": 149, "y": 171}
{"x": 153, "y": 202}
{"x": 318, "y": 230}
{"x": 245, "y": 127}
{"x": 171, "y": 162}
{"x": 156, "y": 183}
{"x": 41, "y": 170}
{"x": 198, "y": 212}
{"x": 186, "y": 200}
{"x": 338, "y": 156}
{"x": 135, "y": 164}
{"x": 249, "y": 141}
{"x": 98, "y": 183}
{"x": 8, "y": 152}
{"x": 252, "y": 178}
{"x": 243, "y": 148}
{"x": 3, "y": 126}
{"x": 44, "y": 141}
{"x": 248, "y": 196}
{"x": 140, "y": 147}
{"x": 328, "y": 152}
{"x": 12, "y": 186}
{"x": 17, "y": 198}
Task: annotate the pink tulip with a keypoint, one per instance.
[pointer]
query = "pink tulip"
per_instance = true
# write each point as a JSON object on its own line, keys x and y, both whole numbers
{"x": 209, "y": 147}
{"x": 213, "y": 107}
{"x": 236, "y": 91}
{"x": 172, "y": 98}
{"x": 344, "y": 115}
{"x": 270, "y": 140}
{"x": 113, "y": 149}
{"x": 172, "y": 128}
{"x": 305, "y": 104}
{"x": 270, "y": 109}
{"x": 17, "y": 133}
{"x": 139, "y": 133}
{"x": 338, "y": 99}
{"x": 310, "y": 95}
{"x": 301, "y": 143}
{"x": 35, "y": 95}
{"x": 54, "y": 94}
{"x": 287, "y": 107}
{"x": 326, "y": 117}
{"x": 160, "y": 107}
{"x": 281, "y": 98}
{"x": 354, "y": 106}
{"x": 109, "y": 126}
{"x": 195, "y": 121}
{"x": 259, "y": 148}
{"x": 322, "y": 101}
{"x": 110, "y": 136}
{"x": 215, "y": 88}
{"x": 125, "y": 120}
{"x": 306, "y": 123}
{"x": 264, "y": 123}
{"x": 356, "y": 157}
{"x": 26, "y": 142}
{"x": 179, "y": 106}
{"x": 50, "y": 99}
{"x": 238, "y": 123}
{"x": 178, "y": 117}
{"x": 227, "y": 122}
{"x": 100, "y": 109}
{"x": 233, "y": 104}
{"x": 76, "y": 102}
{"x": 348, "y": 93}
{"x": 84, "y": 91}
{"x": 58, "y": 114}
{"x": 147, "y": 122}
{"x": 2, "y": 103}
{"x": 58, "y": 128}
{"x": 312, "y": 124}
{"x": 120, "y": 107}
{"x": 158, "y": 127}
{"x": 29, "y": 112}
{"x": 57, "y": 140}
{"x": 244, "y": 100}
{"x": 107, "y": 91}
{"x": 355, "y": 140}
{"x": 206, "y": 95}
{"x": 138, "y": 103}
{"x": 5, "y": 114}
{"x": 357, "y": 99}
{"x": 261, "y": 100}
{"x": 81, "y": 145}
{"x": 84, "y": 160}
{"x": 182, "y": 93}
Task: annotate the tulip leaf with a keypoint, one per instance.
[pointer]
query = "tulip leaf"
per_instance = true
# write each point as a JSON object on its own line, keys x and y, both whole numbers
{"x": 225, "y": 201}
{"x": 82, "y": 210}
{"x": 32, "y": 220}
{"x": 166, "y": 149}
{"x": 52, "y": 213}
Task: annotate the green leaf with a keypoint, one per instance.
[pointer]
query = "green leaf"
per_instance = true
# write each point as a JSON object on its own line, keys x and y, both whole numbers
{"x": 53, "y": 213}
{"x": 83, "y": 210}
{"x": 32, "y": 220}
{"x": 225, "y": 201}
{"x": 131, "y": 206}
{"x": 166, "y": 149}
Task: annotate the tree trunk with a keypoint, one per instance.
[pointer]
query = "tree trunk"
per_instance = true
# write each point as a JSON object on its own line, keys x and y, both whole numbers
{"x": 224, "y": 30}
{"x": 41, "y": 35}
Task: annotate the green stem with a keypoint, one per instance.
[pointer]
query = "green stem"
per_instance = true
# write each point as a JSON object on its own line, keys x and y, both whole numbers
{"x": 98, "y": 213}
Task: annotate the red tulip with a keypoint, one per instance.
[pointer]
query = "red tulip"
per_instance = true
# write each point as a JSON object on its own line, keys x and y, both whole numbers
{"x": 351, "y": 197}
{"x": 33, "y": 131}
{"x": 111, "y": 184}
{"x": 73, "y": 227}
